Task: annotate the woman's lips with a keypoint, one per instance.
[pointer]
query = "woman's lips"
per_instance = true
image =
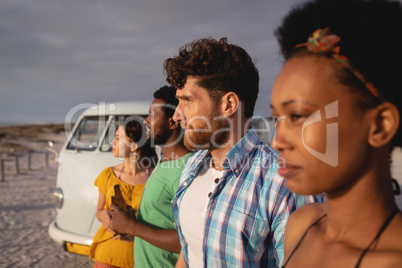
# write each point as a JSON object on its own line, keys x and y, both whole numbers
{"x": 288, "y": 170}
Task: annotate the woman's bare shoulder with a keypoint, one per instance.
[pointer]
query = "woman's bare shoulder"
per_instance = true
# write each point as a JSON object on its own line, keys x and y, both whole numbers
{"x": 307, "y": 214}
{"x": 389, "y": 250}
{"x": 392, "y": 236}
{"x": 299, "y": 221}
{"x": 388, "y": 253}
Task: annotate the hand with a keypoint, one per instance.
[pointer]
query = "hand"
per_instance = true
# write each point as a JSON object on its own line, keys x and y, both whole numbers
{"x": 105, "y": 220}
{"x": 131, "y": 212}
{"x": 125, "y": 238}
{"x": 122, "y": 221}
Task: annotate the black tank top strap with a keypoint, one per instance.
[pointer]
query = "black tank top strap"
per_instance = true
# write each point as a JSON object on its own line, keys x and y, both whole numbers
{"x": 383, "y": 227}
{"x": 301, "y": 239}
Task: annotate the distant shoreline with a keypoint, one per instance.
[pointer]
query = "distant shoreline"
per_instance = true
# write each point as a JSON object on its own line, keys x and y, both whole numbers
{"x": 12, "y": 124}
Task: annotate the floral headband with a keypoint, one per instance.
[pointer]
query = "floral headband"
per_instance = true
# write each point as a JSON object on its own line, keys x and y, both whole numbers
{"x": 322, "y": 41}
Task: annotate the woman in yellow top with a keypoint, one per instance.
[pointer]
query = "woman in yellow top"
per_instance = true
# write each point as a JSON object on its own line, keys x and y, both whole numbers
{"x": 109, "y": 248}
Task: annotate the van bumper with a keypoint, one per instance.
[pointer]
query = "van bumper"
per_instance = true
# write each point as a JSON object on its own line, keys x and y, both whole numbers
{"x": 61, "y": 237}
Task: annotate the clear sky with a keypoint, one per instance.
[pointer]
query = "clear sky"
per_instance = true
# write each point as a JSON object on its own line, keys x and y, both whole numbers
{"x": 56, "y": 54}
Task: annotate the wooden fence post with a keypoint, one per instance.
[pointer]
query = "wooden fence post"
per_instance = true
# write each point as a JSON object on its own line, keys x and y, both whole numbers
{"x": 29, "y": 165}
{"x": 47, "y": 159}
{"x": 2, "y": 170}
{"x": 17, "y": 166}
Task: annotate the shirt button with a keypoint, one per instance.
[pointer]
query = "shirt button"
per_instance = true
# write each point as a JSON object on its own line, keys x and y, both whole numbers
{"x": 216, "y": 180}
{"x": 236, "y": 171}
{"x": 185, "y": 183}
{"x": 209, "y": 195}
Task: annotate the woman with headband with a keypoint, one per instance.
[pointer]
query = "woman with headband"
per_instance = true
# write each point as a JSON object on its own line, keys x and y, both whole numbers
{"x": 338, "y": 102}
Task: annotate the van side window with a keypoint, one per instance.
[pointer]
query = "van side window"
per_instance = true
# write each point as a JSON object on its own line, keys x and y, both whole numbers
{"x": 87, "y": 134}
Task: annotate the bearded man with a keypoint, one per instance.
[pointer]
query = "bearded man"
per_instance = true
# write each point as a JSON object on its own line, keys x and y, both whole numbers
{"x": 156, "y": 242}
{"x": 231, "y": 207}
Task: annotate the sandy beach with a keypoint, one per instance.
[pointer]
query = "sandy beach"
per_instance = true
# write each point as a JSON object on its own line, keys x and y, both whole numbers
{"x": 26, "y": 205}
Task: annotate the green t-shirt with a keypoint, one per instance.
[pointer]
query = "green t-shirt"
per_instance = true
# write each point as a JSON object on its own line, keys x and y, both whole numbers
{"x": 156, "y": 211}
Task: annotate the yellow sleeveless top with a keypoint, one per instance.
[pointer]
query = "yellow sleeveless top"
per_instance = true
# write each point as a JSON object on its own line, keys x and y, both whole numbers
{"x": 104, "y": 248}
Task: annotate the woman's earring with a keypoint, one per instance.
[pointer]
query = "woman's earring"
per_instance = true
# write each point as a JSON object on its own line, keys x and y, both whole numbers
{"x": 397, "y": 189}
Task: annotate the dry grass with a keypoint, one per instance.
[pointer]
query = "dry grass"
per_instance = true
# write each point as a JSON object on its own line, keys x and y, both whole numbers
{"x": 14, "y": 139}
{"x": 29, "y": 131}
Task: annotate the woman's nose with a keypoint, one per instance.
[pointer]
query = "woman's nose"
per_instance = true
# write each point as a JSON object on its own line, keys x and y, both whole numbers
{"x": 280, "y": 141}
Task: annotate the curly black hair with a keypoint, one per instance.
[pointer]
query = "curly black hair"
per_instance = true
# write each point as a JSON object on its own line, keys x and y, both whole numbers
{"x": 371, "y": 37}
{"x": 220, "y": 68}
{"x": 168, "y": 95}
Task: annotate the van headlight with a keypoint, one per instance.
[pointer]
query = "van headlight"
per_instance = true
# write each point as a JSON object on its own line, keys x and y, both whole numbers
{"x": 58, "y": 197}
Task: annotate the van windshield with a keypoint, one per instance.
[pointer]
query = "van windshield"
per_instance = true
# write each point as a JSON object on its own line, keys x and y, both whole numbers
{"x": 86, "y": 136}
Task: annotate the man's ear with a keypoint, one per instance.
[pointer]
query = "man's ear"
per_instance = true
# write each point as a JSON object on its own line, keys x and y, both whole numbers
{"x": 173, "y": 124}
{"x": 230, "y": 103}
{"x": 384, "y": 124}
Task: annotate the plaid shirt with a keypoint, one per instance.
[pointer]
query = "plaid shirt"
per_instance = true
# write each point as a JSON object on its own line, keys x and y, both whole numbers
{"x": 247, "y": 213}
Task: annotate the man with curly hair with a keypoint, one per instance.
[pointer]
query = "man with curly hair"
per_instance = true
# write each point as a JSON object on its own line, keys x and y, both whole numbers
{"x": 231, "y": 207}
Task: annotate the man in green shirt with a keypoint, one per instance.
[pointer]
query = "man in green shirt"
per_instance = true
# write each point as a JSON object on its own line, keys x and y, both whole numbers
{"x": 156, "y": 242}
